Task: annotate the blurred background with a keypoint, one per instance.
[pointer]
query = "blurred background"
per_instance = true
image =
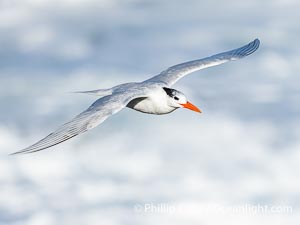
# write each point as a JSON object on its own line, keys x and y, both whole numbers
{"x": 243, "y": 151}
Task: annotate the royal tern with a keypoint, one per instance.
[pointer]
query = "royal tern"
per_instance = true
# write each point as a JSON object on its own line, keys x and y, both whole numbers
{"x": 154, "y": 96}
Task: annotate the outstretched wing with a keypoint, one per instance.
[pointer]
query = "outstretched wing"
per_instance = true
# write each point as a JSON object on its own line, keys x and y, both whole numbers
{"x": 171, "y": 75}
{"x": 99, "y": 111}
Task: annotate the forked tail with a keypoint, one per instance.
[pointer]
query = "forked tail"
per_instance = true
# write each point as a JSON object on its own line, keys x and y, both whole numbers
{"x": 99, "y": 92}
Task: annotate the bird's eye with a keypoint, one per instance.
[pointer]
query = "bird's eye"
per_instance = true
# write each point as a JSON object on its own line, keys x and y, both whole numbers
{"x": 176, "y": 98}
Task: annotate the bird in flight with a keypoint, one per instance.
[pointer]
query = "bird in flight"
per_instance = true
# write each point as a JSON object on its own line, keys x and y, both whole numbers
{"x": 153, "y": 96}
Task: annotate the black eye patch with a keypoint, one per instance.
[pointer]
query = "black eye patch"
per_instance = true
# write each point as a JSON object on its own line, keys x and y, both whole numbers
{"x": 176, "y": 98}
{"x": 169, "y": 91}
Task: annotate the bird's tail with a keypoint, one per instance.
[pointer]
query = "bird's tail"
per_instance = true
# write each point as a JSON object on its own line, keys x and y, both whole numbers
{"x": 99, "y": 92}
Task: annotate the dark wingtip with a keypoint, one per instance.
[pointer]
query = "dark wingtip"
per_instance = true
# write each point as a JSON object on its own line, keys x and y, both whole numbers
{"x": 252, "y": 46}
{"x": 257, "y": 42}
{"x": 17, "y": 153}
{"x": 247, "y": 49}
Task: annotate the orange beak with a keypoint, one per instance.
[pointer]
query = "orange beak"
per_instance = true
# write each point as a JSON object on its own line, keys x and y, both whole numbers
{"x": 190, "y": 106}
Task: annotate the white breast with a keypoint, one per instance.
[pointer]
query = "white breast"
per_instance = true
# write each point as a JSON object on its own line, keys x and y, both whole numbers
{"x": 155, "y": 103}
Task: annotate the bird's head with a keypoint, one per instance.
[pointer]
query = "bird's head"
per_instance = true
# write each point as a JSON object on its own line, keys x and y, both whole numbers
{"x": 177, "y": 99}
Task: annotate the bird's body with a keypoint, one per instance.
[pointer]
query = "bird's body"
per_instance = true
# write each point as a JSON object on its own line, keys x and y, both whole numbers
{"x": 154, "y": 103}
{"x": 153, "y": 96}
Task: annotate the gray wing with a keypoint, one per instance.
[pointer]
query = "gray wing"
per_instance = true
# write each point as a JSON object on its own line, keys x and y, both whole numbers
{"x": 174, "y": 73}
{"x": 99, "y": 111}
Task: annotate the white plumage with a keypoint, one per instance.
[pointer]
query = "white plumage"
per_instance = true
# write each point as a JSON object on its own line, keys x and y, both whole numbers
{"x": 150, "y": 96}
